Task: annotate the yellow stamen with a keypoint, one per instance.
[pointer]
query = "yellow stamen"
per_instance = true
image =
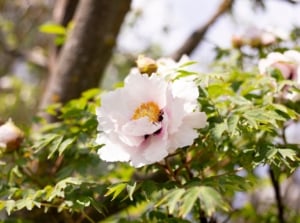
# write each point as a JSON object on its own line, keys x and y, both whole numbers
{"x": 148, "y": 109}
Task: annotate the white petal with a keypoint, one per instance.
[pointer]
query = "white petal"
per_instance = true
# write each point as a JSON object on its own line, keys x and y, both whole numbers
{"x": 156, "y": 149}
{"x": 131, "y": 140}
{"x": 196, "y": 120}
{"x": 293, "y": 56}
{"x": 174, "y": 113}
{"x": 185, "y": 89}
{"x": 140, "y": 127}
{"x": 111, "y": 152}
{"x": 142, "y": 88}
{"x": 184, "y": 137}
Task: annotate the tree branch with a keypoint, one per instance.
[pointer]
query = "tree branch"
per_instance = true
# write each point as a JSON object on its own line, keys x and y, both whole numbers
{"x": 279, "y": 202}
{"x": 87, "y": 50}
{"x": 192, "y": 41}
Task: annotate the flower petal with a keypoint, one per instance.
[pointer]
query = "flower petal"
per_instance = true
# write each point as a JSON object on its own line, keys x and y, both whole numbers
{"x": 140, "y": 127}
{"x": 111, "y": 151}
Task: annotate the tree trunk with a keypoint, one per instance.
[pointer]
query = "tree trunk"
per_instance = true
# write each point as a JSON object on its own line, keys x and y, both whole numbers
{"x": 87, "y": 50}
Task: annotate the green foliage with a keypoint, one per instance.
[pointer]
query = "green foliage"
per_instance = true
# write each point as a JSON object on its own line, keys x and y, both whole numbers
{"x": 59, "y": 31}
{"x": 58, "y": 168}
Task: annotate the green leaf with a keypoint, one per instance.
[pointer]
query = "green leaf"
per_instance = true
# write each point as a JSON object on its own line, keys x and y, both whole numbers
{"x": 171, "y": 199}
{"x": 232, "y": 123}
{"x": 59, "y": 189}
{"x": 217, "y": 90}
{"x": 55, "y": 146}
{"x": 2, "y": 205}
{"x": 115, "y": 190}
{"x": 288, "y": 153}
{"x": 10, "y": 206}
{"x": 219, "y": 129}
{"x": 188, "y": 200}
{"x": 65, "y": 145}
{"x": 188, "y": 63}
{"x": 210, "y": 200}
{"x": 45, "y": 141}
{"x": 130, "y": 190}
{"x": 292, "y": 114}
{"x": 52, "y": 28}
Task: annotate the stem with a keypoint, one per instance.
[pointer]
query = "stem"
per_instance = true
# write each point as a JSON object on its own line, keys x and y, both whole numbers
{"x": 87, "y": 217}
{"x": 279, "y": 202}
{"x": 170, "y": 171}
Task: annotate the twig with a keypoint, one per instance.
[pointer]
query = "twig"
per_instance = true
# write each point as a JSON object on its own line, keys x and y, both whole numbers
{"x": 192, "y": 41}
{"x": 276, "y": 187}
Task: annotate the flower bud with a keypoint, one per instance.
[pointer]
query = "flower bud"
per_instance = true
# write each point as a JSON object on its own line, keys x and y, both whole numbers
{"x": 11, "y": 136}
{"x": 146, "y": 65}
{"x": 237, "y": 41}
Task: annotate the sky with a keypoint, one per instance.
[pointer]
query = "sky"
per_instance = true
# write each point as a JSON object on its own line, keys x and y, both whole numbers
{"x": 180, "y": 18}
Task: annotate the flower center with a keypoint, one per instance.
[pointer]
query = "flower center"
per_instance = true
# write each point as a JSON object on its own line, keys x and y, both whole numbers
{"x": 148, "y": 109}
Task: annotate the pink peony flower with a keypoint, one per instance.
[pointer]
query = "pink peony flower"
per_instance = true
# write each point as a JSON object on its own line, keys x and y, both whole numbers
{"x": 288, "y": 63}
{"x": 148, "y": 119}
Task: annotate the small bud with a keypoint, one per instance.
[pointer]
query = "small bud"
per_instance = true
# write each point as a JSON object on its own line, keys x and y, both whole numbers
{"x": 11, "y": 136}
{"x": 146, "y": 65}
{"x": 237, "y": 41}
{"x": 255, "y": 42}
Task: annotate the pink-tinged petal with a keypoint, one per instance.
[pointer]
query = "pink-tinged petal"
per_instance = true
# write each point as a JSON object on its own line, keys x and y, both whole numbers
{"x": 140, "y": 127}
{"x": 196, "y": 120}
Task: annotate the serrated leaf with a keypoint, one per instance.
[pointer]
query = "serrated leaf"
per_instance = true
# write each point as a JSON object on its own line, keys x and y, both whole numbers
{"x": 130, "y": 190}
{"x": 188, "y": 200}
{"x": 171, "y": 199}
{"x": 232, "y": 123}
{"x": 271, "y": 153}
{"x": 211, "y": 200}
{"x": 9, "y": 205}
{"x": 219, "y": 129}
{"x": 287, "y": 153}
{"x": 65, "y": 145}
{"x": 285, "y": 110}
{"x": 54, "y": 146}
{"x": 216, "y": 90}
{"x": 115, "y": 190}
{"x": 45, "y": 141}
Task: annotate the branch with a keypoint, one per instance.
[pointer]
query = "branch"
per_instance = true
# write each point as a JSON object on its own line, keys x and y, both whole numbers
{"x": 279, "y": 202}
{"x": 192, "y": 41}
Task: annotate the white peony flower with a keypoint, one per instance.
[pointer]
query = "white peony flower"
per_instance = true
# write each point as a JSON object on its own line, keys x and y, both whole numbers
{"x": 147, "y": 119}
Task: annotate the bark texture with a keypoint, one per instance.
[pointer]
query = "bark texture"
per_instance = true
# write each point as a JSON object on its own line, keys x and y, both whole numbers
{"x": 88, "y": 48}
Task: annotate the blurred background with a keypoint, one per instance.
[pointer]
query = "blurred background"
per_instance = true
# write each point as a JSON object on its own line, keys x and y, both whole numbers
{"x": 156, "y": 28}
